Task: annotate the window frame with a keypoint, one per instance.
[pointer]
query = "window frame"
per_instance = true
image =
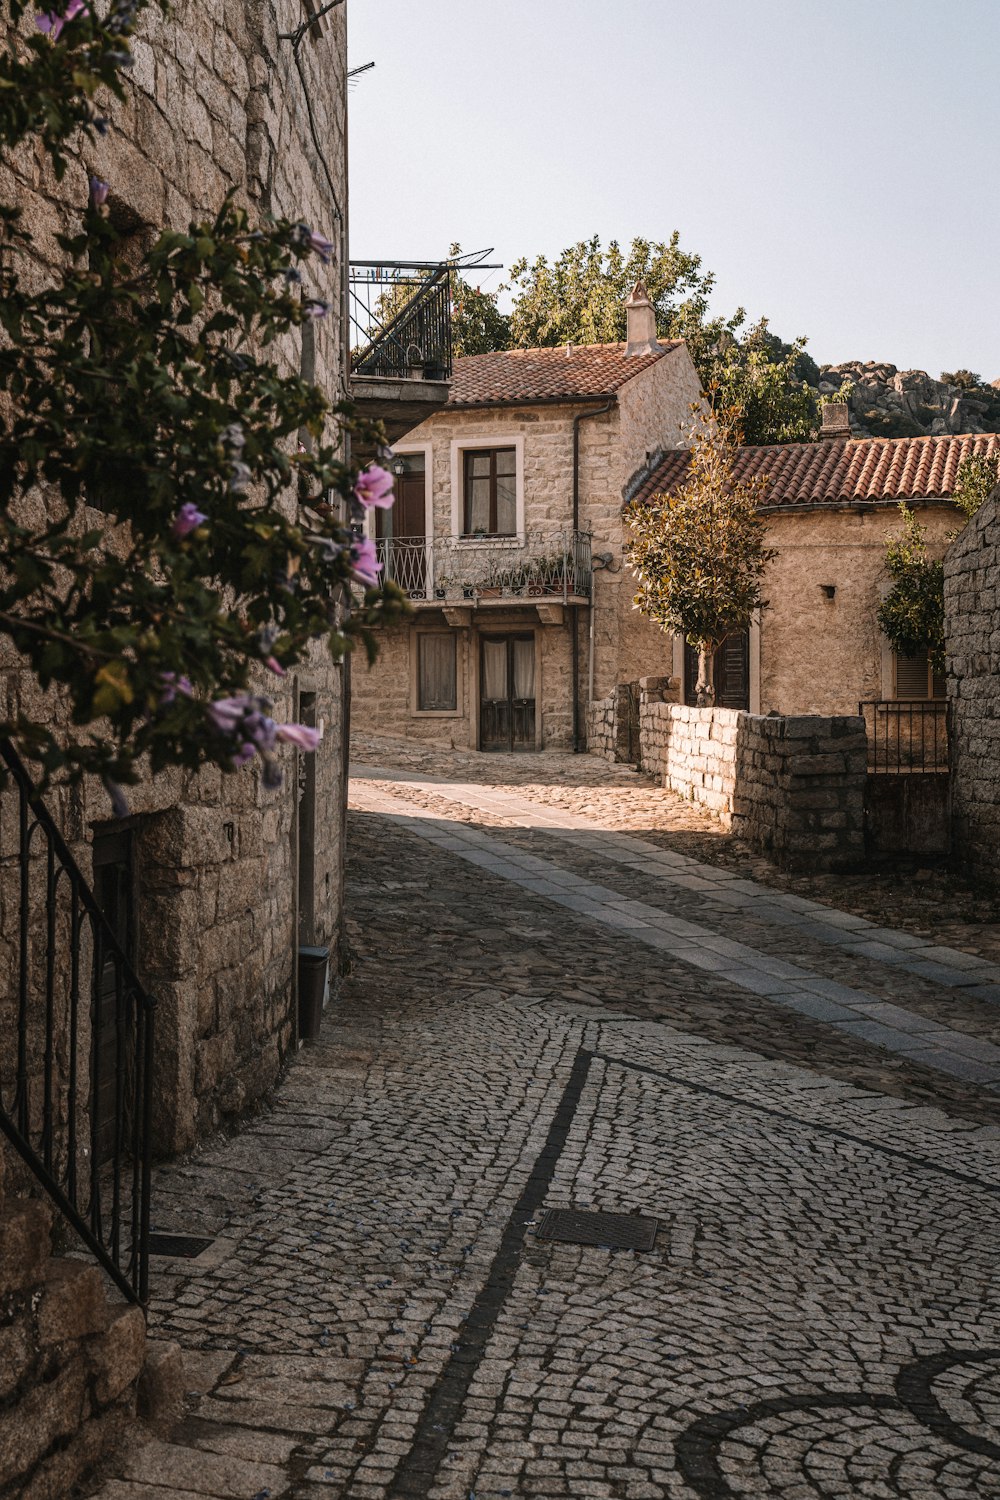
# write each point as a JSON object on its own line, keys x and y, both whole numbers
{"x": 469, "y": 457}
{"x": 459, "y": 448}
{"x": 458, "y": 712}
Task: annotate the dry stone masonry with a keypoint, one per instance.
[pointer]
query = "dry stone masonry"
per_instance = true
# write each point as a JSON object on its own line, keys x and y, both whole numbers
{"x": 791, "y": 786}
{"x": 972, "y": 625}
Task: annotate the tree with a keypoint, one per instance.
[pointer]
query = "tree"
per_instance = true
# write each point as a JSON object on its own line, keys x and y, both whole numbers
{"x": 977, "y": 478}
{"x": 580, "y": 298}
{"x": 700, "y": 553}
{"x": 911, "y": 616}
{"x": 148, "y": 387}
{"x": 766, "y": 381}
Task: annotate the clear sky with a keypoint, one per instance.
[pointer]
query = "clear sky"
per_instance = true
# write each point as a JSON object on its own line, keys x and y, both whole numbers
{"x": 835, "y": 164}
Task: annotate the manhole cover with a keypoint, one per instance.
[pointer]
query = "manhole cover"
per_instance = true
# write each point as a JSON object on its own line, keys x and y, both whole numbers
{"x": 575, "y": 1226}
{"x": 185, "y": 1246}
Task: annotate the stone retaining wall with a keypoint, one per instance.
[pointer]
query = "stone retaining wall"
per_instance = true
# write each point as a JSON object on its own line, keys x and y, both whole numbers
{"x": 792, "y": 787}
{"x": 70, "y": 1359}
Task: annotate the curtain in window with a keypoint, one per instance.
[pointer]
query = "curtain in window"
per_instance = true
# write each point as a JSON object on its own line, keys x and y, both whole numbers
{"x": 524, "y": 669}
{"x": 437, "y": 685}
{"x": 477, "y": 492}
{"x": 494, "y": 685}
{"x": 506, "y": 491}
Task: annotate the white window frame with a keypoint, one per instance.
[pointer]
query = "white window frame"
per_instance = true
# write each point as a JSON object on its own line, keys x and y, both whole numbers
{"x": 459, "y": 446}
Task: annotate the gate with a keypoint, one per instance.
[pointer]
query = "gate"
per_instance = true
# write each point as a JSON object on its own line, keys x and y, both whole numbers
{"x": 76, "y": 1076}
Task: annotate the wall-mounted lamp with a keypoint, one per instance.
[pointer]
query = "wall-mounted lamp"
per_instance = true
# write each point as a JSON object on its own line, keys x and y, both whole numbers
{"x": 398, "y": 467}
{"x": 829, "y": 589}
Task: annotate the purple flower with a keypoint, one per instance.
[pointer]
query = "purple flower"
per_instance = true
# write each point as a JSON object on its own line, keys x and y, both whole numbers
{"x": 172, "y": 685}
{"x": 98, "y": 192}
{"x": 234, "y": 437}
{"x": 365, "y": 565}
{"x": 373, "y": 487}
{"x": 274, "y": 665}
{"x": 314, "y": 308}
{"x": 186, "y": 520}
{"x": 52, "y": 22}
{"x": 302, "y": 736}
{"x": 322, "y": 246}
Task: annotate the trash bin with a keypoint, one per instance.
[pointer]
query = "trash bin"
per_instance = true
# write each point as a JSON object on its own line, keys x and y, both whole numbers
{"x": 313, "y": 964}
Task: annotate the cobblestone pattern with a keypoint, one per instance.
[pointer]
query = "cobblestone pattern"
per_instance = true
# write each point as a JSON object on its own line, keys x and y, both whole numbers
{"x": 377, "y": 1319}
{"x": 972, "y": 629}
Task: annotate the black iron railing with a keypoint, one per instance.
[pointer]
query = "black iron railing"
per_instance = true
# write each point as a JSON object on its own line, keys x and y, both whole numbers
{"x": 906, "y": 736}
{"x": 536, "y": 565}
{"x": 76, "y": 1077}
{"x": 400, "y": 320}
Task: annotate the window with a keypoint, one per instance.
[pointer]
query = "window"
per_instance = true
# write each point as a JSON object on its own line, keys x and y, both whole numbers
{"x": 915, "y": 678}
{"x": 490, "y": 492}
{"x": 437, "y": 673}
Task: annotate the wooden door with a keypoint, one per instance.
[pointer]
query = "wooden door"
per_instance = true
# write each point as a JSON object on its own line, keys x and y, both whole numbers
{"x": 732, "y": 672}
{"x": 402, "y": 530}
{"x": 507, "y": 693}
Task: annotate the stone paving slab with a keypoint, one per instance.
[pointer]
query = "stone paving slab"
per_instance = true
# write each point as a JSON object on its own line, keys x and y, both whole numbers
{"x": 945, "y": 966}
{"x": 736, "y": 962}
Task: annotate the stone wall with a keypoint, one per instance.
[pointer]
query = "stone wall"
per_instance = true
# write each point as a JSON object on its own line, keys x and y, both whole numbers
{"x": 972, "y": 628}
{"x": 70, "y": 1359}
{"x": 792, "y": 787}
{"x": 217, "y": 101}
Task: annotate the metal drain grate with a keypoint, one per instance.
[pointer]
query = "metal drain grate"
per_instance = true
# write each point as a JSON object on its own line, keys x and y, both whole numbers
{"x": 184, "y": 1246}
{"x": 574, "y": 1226}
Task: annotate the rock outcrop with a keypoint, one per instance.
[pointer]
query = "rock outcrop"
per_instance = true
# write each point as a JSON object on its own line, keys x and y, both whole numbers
{"x": 886, "y": 402}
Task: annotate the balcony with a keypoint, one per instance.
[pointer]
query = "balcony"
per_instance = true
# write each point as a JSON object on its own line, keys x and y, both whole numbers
{"x": 401, "y": 341}
{"x": 543, "y": 569}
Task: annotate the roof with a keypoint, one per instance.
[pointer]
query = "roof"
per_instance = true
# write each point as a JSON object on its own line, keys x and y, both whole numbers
{"x": 843, "y": 471}
{"x": 513, "y": 377}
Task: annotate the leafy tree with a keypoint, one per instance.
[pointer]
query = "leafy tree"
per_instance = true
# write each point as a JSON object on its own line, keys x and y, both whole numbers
{"x": 147, "y": 387}
{"x": 911, "y": 616}
{"x": 580, "y": 298}
{"x": 977, "y": 478}
{"x": 765, "y": 380}
{"x": 700, "y": 553}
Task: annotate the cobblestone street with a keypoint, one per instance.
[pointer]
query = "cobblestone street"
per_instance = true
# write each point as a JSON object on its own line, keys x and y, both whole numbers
{"x": 570, "y": 991}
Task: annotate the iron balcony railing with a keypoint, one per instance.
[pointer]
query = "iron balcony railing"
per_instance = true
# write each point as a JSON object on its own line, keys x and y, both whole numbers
{"x": 532, "y": 566}
{"x": 906, "y": 736}
{"x": 400, "y": 316}
{"x": 77, "y": 1071}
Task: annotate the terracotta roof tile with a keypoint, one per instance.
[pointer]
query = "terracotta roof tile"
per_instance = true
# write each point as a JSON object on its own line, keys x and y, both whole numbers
{"x": 521, "y": 375}
{"x": 846, "y": 470}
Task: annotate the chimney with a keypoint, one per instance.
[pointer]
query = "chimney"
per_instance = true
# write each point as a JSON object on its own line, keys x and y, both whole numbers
{"x": 641, "y": 322}
{"x": 836, "y": 421}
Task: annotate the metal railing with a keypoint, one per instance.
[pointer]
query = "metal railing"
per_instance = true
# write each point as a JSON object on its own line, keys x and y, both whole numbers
{"x": 906, "y": 736}
{"x": 400, "y": 314}
{"x": 76, "y": 1075}
{"x": 532, "y": 566}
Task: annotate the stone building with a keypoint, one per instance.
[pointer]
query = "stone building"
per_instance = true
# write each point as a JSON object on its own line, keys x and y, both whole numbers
{"x": 972, "y": 629}
{"x": 829, "y": 506}
{"x": 213, "y": 882}
{"x": 507, "y": 535}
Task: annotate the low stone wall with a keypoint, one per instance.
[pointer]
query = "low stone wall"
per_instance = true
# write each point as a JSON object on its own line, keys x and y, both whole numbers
{"x": 792, "y": 787}
{"x": 71, "y": 1359}
{"x": 693, "y": 751}
{"x": 800, "y": 789}
{"x": 601, "y": 738}
{"x": 607, "y": 719}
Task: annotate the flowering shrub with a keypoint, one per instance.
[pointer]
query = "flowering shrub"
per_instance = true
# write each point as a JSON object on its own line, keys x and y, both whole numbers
{"x": 144, "y": 388}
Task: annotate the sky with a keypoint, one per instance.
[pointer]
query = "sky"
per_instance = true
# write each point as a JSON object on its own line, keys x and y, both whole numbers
{"x": 833, "y": 162}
